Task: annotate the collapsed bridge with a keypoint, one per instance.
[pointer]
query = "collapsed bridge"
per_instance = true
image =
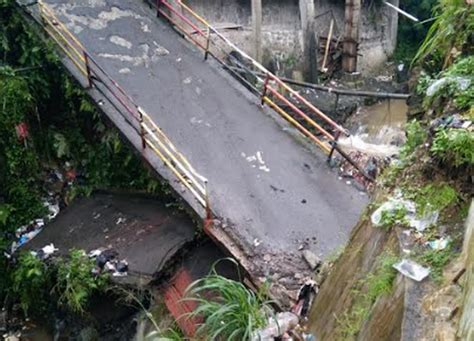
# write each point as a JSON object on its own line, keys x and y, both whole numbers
{"x": 240, "y": 165}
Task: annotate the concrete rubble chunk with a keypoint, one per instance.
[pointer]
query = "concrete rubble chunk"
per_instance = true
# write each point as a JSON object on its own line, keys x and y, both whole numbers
{"x": 312, "y": 260}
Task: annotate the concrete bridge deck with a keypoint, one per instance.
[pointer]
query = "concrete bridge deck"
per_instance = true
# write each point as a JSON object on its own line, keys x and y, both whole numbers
{"x": 273, "y": 193}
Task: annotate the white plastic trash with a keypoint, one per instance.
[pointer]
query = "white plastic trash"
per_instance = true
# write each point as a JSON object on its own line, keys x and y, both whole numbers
{"x": 412, "y": 269}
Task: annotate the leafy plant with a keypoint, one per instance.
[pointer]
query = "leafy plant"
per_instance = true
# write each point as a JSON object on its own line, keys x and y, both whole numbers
{"x": 76, "y": 282}
{"x": 394, "y": 216}
{"x": 436, "y": 260}
{"x": 416, "y": 135}
{"x": 451, "y": 30}
{"x": 455, "y": 146}
{"x": 230, "y": 310}
{"x": 30, "y": 283}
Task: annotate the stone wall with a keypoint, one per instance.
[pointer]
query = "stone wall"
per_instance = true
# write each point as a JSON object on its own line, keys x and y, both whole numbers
{"x": 283, "y": 35}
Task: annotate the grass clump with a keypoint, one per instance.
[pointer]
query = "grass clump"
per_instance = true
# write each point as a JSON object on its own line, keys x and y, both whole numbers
{"x": 436, "y": 260}
{"x": 230, "y": 310}
{"x": 75, "y": 281}
{"x": 369, "y": 289}
{"x": 394, "y": 216}
{"x": 454, "y": 146}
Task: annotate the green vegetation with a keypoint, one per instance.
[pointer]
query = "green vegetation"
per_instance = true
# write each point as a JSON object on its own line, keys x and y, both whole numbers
{"x": 431, "y": 197}
{"x": 75, "y": 281}
{"x": 454, "y": 147}
{"x": 30, "y": 282}
{"x": 393, "y": 216}
{"x": 436, "y": 260}
{"x": 448, "y": 35}
{"x": 48, "y": 122}
{"x": 230, "y": 310}
{"x": 416, "y": 135}
{"x": 374, "y": 285}
{"x": 411, "y": 34}
{"x": 35, "y": 283}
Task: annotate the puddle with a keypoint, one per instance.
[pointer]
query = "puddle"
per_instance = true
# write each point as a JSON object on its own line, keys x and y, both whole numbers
{"x": 377, "y": 129}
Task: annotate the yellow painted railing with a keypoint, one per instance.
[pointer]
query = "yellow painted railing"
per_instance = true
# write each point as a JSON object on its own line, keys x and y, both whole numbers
{"x": 151, "y": 134}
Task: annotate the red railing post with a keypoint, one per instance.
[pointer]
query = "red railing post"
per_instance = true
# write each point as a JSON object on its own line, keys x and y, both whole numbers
{"x": 264, "y": 90}
{"x": 88, "y": 69}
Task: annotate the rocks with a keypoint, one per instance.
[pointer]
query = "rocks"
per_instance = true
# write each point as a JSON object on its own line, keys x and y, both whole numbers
{"x": 310, "y": 258}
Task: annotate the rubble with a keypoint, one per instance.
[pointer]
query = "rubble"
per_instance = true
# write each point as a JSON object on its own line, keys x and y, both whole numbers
{"x": 312, "y": 260}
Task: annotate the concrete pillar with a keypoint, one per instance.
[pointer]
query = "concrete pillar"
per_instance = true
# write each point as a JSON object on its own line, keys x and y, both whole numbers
{"x": 307, "y": 27}
{"x": 257, "y": 29}
{"x": 351, "y": 35}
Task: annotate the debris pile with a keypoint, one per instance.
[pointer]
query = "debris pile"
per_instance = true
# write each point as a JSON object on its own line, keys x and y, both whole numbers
{"x": 107, "y": 261}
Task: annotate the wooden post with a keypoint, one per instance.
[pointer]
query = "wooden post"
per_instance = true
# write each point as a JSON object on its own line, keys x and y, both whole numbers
{"x": 307, "y": 28}
{"x": 351, "y": 35}
{"x": 257, "y": 29}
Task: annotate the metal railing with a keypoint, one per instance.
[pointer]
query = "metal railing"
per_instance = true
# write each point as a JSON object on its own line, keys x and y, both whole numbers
{"x": 151, "y": 134}
{"x": 269, "y": 87}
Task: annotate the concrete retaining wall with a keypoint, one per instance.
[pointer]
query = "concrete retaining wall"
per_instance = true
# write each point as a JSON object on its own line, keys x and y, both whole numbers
{"x": 283, "y": 35}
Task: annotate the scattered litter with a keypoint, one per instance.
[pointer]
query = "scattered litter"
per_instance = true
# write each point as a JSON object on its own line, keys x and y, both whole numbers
{"x": 452, "y": 121}
{"x": 120, "y": 221}
{"x": 48, "y": 250}
{"x": 438, "y": 244}
{"x": 257, "y": 242}
{"x": 106, "y": 260}
{"x": 306, "y": 295}
{"x": 461, "y": 83}
{"x": 187, "y": 80}
{"x": 277, "y": 326}
{"x": 178, "y": 60}
{"x": 412, "y": 269}
{"x": 397, "y": 204}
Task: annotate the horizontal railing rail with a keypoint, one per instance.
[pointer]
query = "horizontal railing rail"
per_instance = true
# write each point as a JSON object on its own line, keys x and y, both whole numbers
{"x": 151, "y": 134}
{"x": 269, "y": 87}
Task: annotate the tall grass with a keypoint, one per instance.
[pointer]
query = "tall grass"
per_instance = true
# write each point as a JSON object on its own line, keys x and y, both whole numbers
{"x": 230, "y": 310}
{"x": 452, "y": 28}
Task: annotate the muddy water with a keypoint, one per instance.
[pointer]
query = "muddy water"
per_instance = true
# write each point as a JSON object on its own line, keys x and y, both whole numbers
{"x": 377, "y": 129}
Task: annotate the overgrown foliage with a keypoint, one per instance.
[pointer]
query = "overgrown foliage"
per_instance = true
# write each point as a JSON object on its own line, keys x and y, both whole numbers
{"x": 436, "y": 260}
{"x": 449, "y": 35}
{"x": 411, "y": 34}
{"x": 454, "y": 147}
{"x": 75, "y": 281}
{"x": 230, "y": 310}
{"x": 48, "y": 122}
{"x": 416, "y": 135}
{"x": 31, "y": 281}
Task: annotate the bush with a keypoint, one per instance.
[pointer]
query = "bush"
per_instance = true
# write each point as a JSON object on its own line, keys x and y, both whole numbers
{"x": 75, "y": 281}
{"x": 31, "y": 283}
{"x": 454, "y": 146}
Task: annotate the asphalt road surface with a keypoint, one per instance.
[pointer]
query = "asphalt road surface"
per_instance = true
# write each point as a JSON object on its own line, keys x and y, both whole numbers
{"x": 274, "y": 192}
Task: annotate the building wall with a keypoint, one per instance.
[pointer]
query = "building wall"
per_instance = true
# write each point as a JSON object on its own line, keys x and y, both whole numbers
{"x": 282, "y": 32}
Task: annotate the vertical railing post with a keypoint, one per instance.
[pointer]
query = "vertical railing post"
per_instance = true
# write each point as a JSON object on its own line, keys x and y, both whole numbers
{"x": 208, "y": 219}
{"x": 264, "y": 90}
{"x": 142, "y": 129}
{"x": 333, "y": 145}
{"x": 88, "y": 69}
{"x": 208, "y": 37}
{"x": 158, "y": 3}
